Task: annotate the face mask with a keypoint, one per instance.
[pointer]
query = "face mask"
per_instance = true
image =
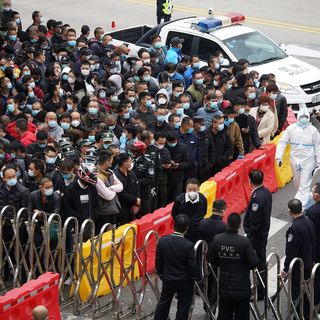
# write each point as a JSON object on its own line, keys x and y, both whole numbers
{"x": 48, "y": 192}
{"x": 213, "y": 105}
{"x": 202, "y": 129}
{"x": 192, "y": 195}
{"x": 198, "y": 82}
{"x": 102, "y": 94}
{"x": 93, "y": 111}
{"x": 12, "y": 182}
{"x": 71, "y": 80}
{"x": 157, "y": 45}
{"x": 149, "y": 103}
{"x": 217, "y": 65}
{"x": 3, "y": 68}
{"x": 30, "y": 173}
{"x": 177, "y": 94}
{"x": 171, "y": 74}
{"x": 131, "y": 167}
{"x": 160, "y": 146}
{"x": 31, "y": 95}
{"x": 10, "y": 107}
{"x": 172, "y": 145}
{"x": 256, "y": 82}
{"x": 65, "y": 125}
{"x": 231, "y": 120}
{"x": 196, "y": 65}
{"x": 97, "y": 66}
{"x": 13, "y": 155}
{"x": 106, "y": 145}
{"x": 221, "y": 60}
{"x": 9, "y": 85}
{"x": 273, "y": 96}
{"x": 160, "y": 118}
{"x": 66, "y": 176}
{"x": 41, "y": 145}
{"x": 215, "y": 83}
{"x": 13, "y": 37}
{"x": 186, "y": 105}
{"x": 52, "y": 123}
{"x": 69, "y": 107}
{"x": 146, "y": 61}
{"x": 241, "y": 111}
{"x": 219, "y": 101}
{"x": 27, "y": 73}
{"x": 65, "y": 77}
{"x": 136, "y": 78}
{"x": 2, "y": 155}
{"x": 85, "y": 72}
{"x": 126, "y": 115}
{"x": 31, "y": 84}
{"x": 112, "y": 128}
{"x": 162, "y": 101}
{"x": 75, "y": 123}
{"x": 264, "y": 108}
{"x": 303, "y": 121}
{"x": 92, "y": 67}
{"x": 61, "y": 92}
{"x": 18, "y": 21}
{"x": 180, "y": 111}
{"x": 146, "y": 78}
{"x": 190, "y": 130}
{"x": 114, "y": 98}
{"x": 251, "y": 95}
{"x": 177, "y": 125}
{"x": 51, "y": 160}
{"x": 118, "y": 64}
{"x": 35, "y": 112}
{"x": 221, "y": 127}
{"x": 229, "y": 86}
{"x": 131, "y": 99}
{"x": 72, "y": 43}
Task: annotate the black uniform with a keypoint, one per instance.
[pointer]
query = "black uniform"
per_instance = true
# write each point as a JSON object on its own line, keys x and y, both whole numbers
{"x": 194, "y": 210}
{"x": 235, "y": 256}
{"x": 313, "y": 213}
{"x": 300, "y": 243}
{"x": 206, "y": 155}
{"x": 177, "y": 268}
{"x": 256, "y": 224}
{"x": 145, "y": 172}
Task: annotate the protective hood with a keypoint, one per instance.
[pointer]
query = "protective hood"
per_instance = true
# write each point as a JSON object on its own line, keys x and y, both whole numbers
{"x": 66, "y": 70}
{"x": 162, "y": 91}
{"x": 303, "y": 112}
{"x": 117, "y": 81}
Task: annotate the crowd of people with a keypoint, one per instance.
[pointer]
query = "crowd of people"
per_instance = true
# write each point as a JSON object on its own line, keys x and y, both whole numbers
{"x": 89, "y": 129}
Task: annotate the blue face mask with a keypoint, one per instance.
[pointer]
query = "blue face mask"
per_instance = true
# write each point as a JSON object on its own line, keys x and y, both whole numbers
{"x": 157, "y": 45}
{"x": 93, "y": 111}
{"x": 65, "y": 125}
{"x": 114, "y": 98}
{"x": 304, "y": 121}
{"x": 91, "y": 138}
{"x": 69, "y": 107}
{"x": 146, "y": 78}
{"x": 112, "y": 128}
{"x": 9, "y": 85}
{"x": 231, "y": 120}
{"x": 12, "y": 182}
{"x": 30, "y": 173}
{"x": 13, "y": 37}
{"x": 198, "y": 82}
{"x": 72, "y": 43}
{"x": 52, "y": 123}
{"x": 186, "y": 105}
{"x": 190, "y": 130}
{"x": 51, "y": 160}
{"x": 160, "y": 118}
{"x": 179, "y": 111}
{"x": 172, "y": 145}
{"x": 35, "y": 112}
{"x": 126, "y": 115}
{"x": 31, "y": 95}
{"x": 273, "y": 96}
{"x": 149, "y": 103}
{"x": 106, "y": 145}
{"x": 2, "y": 155}
{"x": 48, "y": 192}
{"x": 241, "y": 111}
{"x": 177, "y": 125}
{"x": 252, "y": 96}
{"x": 41, "y": 145}
{"x": 64, "y": 77}
{"x": 214, "y": 105}
{"x": 10, "y": 107}
{"x": 196, "y": 65}
{"x": 66, "y": 176}
{"x": 202, "y": 129}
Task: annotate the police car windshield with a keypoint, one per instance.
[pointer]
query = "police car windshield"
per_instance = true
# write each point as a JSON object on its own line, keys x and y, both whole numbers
{"x": 254, "y": 47}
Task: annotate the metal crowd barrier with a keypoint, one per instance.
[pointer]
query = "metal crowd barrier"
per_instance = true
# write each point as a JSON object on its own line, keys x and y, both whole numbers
{"x": 32, "y": 244}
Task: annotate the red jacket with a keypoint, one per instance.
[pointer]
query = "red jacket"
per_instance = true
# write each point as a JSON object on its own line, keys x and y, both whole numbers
{"x": 28, "y": 138}
{"x": 11, "y": 128}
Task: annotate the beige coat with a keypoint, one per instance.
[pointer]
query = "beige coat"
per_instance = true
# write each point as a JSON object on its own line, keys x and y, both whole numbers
{"x": 266, "y": 126}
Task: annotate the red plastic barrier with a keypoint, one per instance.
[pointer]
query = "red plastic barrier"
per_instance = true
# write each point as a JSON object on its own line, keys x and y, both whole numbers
{"x": 18, "y": 303}
{"x": 262, "y": 159}
{"x": 161, "y": 221}
{"x": 230, "y": 187}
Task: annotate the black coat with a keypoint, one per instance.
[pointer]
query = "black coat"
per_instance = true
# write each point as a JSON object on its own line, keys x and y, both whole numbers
{"x": 179, "y": 154}
{"x": 282, "y": 110}
{"x": 195, "y": 211}
{"x": 206, "y": 150}
{"x": 235, "y": 256}
{"x": 175, "y": 259}
{"x": 18, "y": 196}
{"x": 313, "y": 214}
{"x": 210, "y": 227}
{"x": 52, "y": 205}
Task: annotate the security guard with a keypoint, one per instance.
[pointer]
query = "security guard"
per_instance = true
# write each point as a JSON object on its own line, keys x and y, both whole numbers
{"x": 177, "y": 268}
{"x": 256, "y": 222}
{"x": 235, "y": 256}
{"x": 145, "y": 172}
{"x": 300, "y": 243}
{"x": 164, "y": 10}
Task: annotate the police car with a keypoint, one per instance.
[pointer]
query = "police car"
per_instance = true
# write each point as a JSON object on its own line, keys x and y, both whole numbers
{"x": 297, "y": 80}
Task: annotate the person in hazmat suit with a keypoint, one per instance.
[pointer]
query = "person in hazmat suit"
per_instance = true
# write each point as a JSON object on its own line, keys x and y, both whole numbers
{"x": 304, "y": 140}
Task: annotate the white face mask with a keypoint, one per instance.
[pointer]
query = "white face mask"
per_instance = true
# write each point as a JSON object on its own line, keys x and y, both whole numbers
{"x": 75, "y": 123}
{"x": 192, "y": 195}
{"x": 131, "y": 167}
{"x": 264, "y": 108}
{"x": 162, "y": 100}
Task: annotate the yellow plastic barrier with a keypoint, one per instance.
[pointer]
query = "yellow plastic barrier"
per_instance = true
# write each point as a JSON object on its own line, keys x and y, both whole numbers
{"x": 209, "y": 189}
{"x": 284, "y": 173}
{"x": 104, "y": 288}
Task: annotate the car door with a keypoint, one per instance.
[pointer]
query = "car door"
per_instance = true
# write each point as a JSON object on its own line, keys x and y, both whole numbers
{"x": 188, "y": 47}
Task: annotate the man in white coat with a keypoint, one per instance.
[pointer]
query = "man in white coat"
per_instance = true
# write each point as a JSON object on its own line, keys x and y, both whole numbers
{"x": 304, "y": 140}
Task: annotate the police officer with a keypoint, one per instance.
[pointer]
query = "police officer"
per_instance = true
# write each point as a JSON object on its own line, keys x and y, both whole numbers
{"x": 300, "y": 243}
{"x": 164, "y": 10}
{"x": 145, "y": 172}
{"x": 235, "y": 256}
{"x": 256, "y": 222}
{"x": 177, "y": 268}
{"x": 206, "y": 149}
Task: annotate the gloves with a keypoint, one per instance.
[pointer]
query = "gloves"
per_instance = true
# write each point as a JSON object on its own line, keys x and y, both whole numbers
{"x": 240, "y": 157}
{"x": 279, "y": 162}
{"x": 315, "y": 170}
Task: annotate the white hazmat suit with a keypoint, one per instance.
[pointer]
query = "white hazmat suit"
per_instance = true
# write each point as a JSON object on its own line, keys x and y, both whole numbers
{"x": 304, "y": 140}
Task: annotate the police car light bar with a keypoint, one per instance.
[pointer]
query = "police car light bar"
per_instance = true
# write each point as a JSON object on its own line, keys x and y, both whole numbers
{"x": 208, "y": 25}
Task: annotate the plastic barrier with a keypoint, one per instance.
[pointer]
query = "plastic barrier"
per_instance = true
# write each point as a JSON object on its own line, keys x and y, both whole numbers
{"x": 284, "y": 174}
{"x": 262, "y": 159}
{"x": 18, "y": 303}
{"x": 230, "y": 187}
{"x": 160, "y": 221}
{"x": 106, "y": 254}
{"x": 291, "y": 118}
{"x": 209, "y": 189}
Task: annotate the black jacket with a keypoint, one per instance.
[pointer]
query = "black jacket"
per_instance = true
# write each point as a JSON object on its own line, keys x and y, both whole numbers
{"x": 179, "y": 154}
{"x": 256, "y": 221}
{"x": 52, "y": 204}
{"x": 206, "y": 150}
{"x": 300, "y": 242}
{"x": 191, "y": 142}
{"x": 282, "y": 110}
{"x": 195, "y": 211}
{"x": 235, "y": 256}
{"x": 313, "y": 214}
{"x": 210, "y": 227}
{"x": 18, "y": 196}
{"x": 253, "y": 132}
{"x": 175, "y": 259}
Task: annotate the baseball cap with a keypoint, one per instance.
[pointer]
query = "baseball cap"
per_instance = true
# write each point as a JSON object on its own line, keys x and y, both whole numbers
{"x": 85, "y": 142}
{"x": 198, "y": 119}
{"x": 176, "y": 40}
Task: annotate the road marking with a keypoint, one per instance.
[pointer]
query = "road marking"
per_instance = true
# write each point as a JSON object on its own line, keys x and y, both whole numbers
{"x": 275, "y": 226}
{"x": 254, "y": 20}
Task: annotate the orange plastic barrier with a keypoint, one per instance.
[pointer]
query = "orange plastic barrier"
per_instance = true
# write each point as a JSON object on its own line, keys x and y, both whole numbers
{"x": 230, "y": 187}
{"x": 18, "y": 303}
{"x": 161, "y": 221}
{"x": 262, "y": 159}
